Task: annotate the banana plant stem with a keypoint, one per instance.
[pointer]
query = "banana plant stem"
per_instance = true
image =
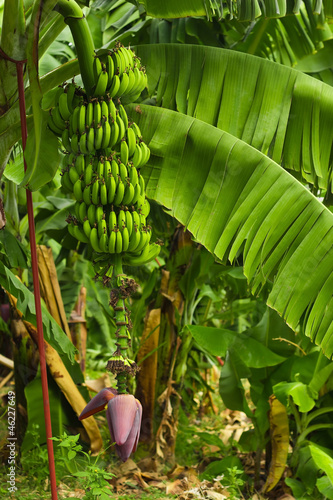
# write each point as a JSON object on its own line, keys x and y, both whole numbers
{"x": 75, "y": 19}
{"x": 34, "y": 265}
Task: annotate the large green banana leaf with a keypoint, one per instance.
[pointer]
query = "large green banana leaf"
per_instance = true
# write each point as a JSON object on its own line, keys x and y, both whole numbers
{"x": 243, "y": 10}
{"x": 235, "y": 200}
{"x": 278, "y": 110}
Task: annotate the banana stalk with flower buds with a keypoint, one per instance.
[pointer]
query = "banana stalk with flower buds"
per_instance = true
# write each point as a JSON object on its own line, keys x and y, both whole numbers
{"x": 103, "y": 155}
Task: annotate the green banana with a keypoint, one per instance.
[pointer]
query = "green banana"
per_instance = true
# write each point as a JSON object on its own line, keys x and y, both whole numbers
{"x": 137, "y": 156}
{"x": 129, "y": 222}
{"x": 129, "y": 194}
{"x": 123, "y": 115}
{"x": 112, "y": 109}
{"x": 97, "y": 113}
{"x": 97, "y": 68}
{"x": 114, "y": 133}
{"x": 103, "y": 193}
{"x": 104, "y": 242}
{"x": 87, "y": 228}
{"x": 98, "y": 136}
{"x": 90, "y": 114}
{"x": 123, "y": 172}
{"x": 63, "y": 107}
{"x": 125, "y": 236}
{"x": 95, "y": 192}
{"x": 119, "y": 242}
{"x": 109, "y": 69}
{"x": 91, "y": 214}
{"x": 80, "y": 235}
{"x": 106, "y": 135}
{"x": 82, "y": 211}
{"x": 114, "y": 86}
{"x": 112, "y": 220}
{"x": 83, "y": 143}
{"x": 119, "y": 193}
{"x": 88, "y": 174}
{"x": 112, "y": 242}
{"x": 101, "y": 84}
{"x": 65, "y": 181}
{"x": 82, "y": 119}
{"x": 52, "y": 126}
{"x": 122, "y": 128}
{"x": 94, "y": 241}
{"x": 91, "y": 140}
{"x": 73, "y": 175}
{"x": 131, "y": 141}
{"x": 79, "y": 164}
{"x": 111, "y": 188}
{"x": 148, "y": 254}
{"x": 77, "y": 190}
{"x": 65, "y": 139}
{"x": 124, "y": 152}
{"x": 133, "y": 175}
{"x": 134, "y": 240}
{"x": 121, "y": 219}
{"x": 87, "y": 194}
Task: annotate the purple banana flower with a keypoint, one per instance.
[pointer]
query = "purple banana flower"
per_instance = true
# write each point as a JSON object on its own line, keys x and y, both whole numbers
{"x": 123, "y": 414}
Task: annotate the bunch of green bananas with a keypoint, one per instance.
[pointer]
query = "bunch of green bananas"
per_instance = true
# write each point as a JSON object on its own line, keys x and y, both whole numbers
{"x": 103, "y": 155}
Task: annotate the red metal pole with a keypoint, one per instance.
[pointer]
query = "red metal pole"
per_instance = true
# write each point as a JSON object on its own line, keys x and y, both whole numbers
{"x": 34, "y": 265}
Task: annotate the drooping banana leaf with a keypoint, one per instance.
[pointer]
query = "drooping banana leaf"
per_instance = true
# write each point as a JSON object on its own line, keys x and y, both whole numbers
{"x": 277, "y": 110}
{"x": 243, "y": 10}
{"x": 235, "y": 200}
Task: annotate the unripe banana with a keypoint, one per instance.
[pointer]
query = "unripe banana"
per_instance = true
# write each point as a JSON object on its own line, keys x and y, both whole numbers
{"x": 80, "y": 235}
{"x": 125, "y": 236}
{"x": 136, "y": 219}
{"x": 131, "y": 81}
{"x": 133, "y": 175}
{"x": 123, "y": 172}
{"x": 71, "y": 87}
{"x": 77, "y": 190}
{"x": 129, "y": 222}
{"x": 119, "y": 193}
{"x": 106, "y": 135}
{"x": 74, "y": 120}
{"x": 52, "y": 126}
{"x": 57, "y": 118}
{"x": 65, "y": 139}
{"x": 82, "y": 211}
{"x": 124, "y": 81}
{"x": 75, "y": 143}
{"x": 129, "y": 194}
{"x": 136, "y": 129}
{"x": 76, "y": 209}
{"x": 103, "y": 193}
{"x": 63, "y": 107}
{"x": 145, "y": 153}
{"x": 89, "y": 114}
{"x": 114, "y": 86}
{"x": 112, "y": 109}
{"x": 137, "y": 193}
{"x": 101, "y": 227}
{"x": 114, "y": 134}
{"x": 115, "y": 168}
{"x": 101, "y": 85}
{"x": 95, "y": 192}
{"x": 94, "y": 241}
{"x": 104, "y": 242}
{"x": 112, "y": 242}
{"x": 107, "y": 169}
{"x": 97, "y": 113}
{"x": 112, "y": 221}
{"x": 134, "y": 240}
{"x": 80, "y": 164}
{"x": 100, "y": 169}
{"x": 109, "y": 69}
{"x": 87, "y": 228}
{"x": 124, "y": 152}
{"x": 73, "y": 175}
{"x": 119, "y": 242}
{"x": 142, "y": 184}
{"x": 121, "y": 220}
{"x": 144, "y": 241}
{"x": 82, "y": 119}
{"x": 122, "y": 129}
{"x": 111, "y": 188}
{"x": 83, "y": 143}
{"x": 99, "y": 214}
{"x": 88, "y": 174}
{"x": 97, "y": 68}
{"x": 131, "y": 141}
{"x": 87, "y": 194}
{"x": 66, "y": 182}
{"x": 123, "y": 115}
{"x": 104, "y": 110}
{"x": 137, "y": 156}
{"x": 91, "y": 214}
{"x": 91, "y": 140}
{"x": 98, "y": 137}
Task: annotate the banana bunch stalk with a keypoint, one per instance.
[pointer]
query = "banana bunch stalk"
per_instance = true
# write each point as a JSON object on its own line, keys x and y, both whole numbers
{"x": 103, "y": 157}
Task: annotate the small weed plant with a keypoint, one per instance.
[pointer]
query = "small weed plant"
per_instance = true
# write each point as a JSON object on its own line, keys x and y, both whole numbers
{"x": 71, "y": 462}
